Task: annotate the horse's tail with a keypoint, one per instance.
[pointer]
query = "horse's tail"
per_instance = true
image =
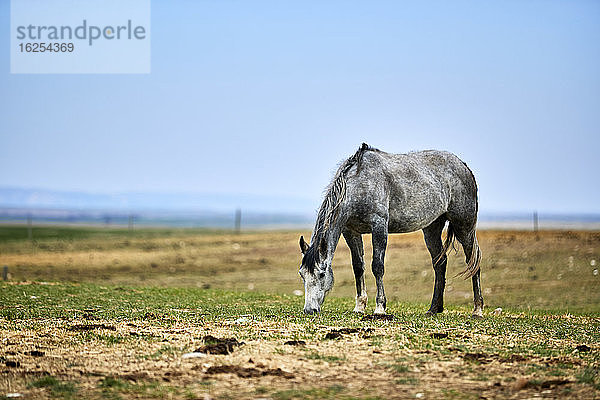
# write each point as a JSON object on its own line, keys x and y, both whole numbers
{"x": 448, "y": 243}
{"x": 474, "y": 258}
{"x": 473, "y": 261}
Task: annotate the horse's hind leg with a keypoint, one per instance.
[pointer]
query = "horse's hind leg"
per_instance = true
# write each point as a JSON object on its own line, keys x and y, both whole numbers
{"x": 468, "y": 240}
{"x": 477, "y": 297}
{"x": 355, "y": 243}
{"x": 379, "y": 239}
{"x": 433, "y": 240}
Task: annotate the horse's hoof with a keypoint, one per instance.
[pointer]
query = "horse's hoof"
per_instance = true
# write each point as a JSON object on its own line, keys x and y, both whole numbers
{"x": 477, "y": 312}
{"x": 379, "y": 310}
{"x": 361, "y": 304}
{"x": 431, "y": 312}
{"x": 355, "y": 311}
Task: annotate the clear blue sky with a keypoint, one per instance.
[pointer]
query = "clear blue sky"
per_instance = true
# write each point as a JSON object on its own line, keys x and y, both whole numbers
{"x": 266, "y": 97}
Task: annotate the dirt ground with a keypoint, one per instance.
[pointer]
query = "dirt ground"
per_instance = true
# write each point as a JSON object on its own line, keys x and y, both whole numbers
{"x": 362, "y": 363}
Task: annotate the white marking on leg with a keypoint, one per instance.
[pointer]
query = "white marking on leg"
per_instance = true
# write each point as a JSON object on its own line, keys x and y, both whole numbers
{"x": 477, "y": 312}
{"x": 361, "y": 304}
{"x": 379, "y": 309}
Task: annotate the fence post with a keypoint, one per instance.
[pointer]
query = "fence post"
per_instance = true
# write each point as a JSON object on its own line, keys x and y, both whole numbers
{"x": 535, "y": 221}
{"x": 238, "y": 220}
{"x": 5, "y": 273}
{"x": 130, "y": 224}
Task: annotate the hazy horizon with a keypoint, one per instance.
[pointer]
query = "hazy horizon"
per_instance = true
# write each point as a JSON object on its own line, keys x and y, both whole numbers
{"x": 218, "y": 203}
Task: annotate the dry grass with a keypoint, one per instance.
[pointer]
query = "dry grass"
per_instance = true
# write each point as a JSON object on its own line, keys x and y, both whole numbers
{"x": 524, "y": 270}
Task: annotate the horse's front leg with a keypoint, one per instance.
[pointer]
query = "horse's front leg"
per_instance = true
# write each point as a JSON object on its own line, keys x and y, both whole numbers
{"x": 380, "y": 233}
{"x": 355, "y": 243}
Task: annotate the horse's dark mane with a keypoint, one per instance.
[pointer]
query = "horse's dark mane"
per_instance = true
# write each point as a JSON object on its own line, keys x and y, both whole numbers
{"x": 329, "y": 210}
{"x": 311, "y": 258}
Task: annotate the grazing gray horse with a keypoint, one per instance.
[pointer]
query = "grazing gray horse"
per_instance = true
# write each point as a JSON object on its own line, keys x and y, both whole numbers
{"x": 381, "y": 193}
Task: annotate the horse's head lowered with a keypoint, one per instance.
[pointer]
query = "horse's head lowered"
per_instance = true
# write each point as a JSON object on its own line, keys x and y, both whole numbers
{"x": 316, "y": 274}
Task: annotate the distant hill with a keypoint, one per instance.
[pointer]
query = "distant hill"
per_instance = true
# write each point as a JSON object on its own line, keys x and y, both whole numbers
{"x": 49, "y": 199}
{"x": 153, "y": 209}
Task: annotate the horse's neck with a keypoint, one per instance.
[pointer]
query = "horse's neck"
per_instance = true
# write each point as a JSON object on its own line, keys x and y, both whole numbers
{"x": 332, "y": 236}
{"x": 332, "y": 242}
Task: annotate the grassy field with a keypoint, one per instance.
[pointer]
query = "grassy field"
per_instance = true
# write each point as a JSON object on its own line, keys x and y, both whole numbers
{"x": 101, "y": 313}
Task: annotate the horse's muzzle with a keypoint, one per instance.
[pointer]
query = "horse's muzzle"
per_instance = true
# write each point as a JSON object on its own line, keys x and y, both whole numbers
{"x": 311, "y": 310}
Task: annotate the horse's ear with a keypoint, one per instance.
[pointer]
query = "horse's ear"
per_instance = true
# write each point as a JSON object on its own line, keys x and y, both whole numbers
{"x": 303, "y": 245}
{"x": 323, "y": 248}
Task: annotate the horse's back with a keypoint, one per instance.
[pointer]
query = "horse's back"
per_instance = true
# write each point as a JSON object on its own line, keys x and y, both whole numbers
{"x": 413, "y": 189}
{"x": 436, "y": 171}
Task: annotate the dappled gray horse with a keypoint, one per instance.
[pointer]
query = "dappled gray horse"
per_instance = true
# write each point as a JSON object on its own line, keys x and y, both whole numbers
{"x": 380, "y": 193}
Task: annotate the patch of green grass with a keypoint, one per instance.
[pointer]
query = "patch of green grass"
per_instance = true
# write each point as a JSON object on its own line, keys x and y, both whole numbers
{"x": 321, "y": 357}
{"x": 112, "y": 383}
{"x": 56, "y": 387}
{"x": 590, "y": 376}
{"x": 23, "y": 305}
{"x": 561, "y": 366}
{"x": 111, "y": 339}
{"x": 154, "y": 389}
{"x": 15, "y": 233}
{"x": 108, "y": 339}
{"x": 407, "y": 380}
{"x": 399, "y": 368}
{"x": 111, "y": 387}
{"x": 567, "y": 391}
{"x": 114, "y": 388}
{"x": 261, "y": 390}
{"x": 536, "y": 381}
{"x": 331, "y": 392}
{"x": 166, "y": 349}
{"x": 555, "y": 372}
{"x": 163, "y": 306}
{"x": 455, "y": 394}
{"x": 533, "y": 368}
{"x": 376, "y": 340}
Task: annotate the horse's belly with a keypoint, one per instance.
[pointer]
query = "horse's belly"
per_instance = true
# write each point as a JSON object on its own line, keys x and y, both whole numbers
{"x": 409, "y": 219}
{"x": 398, "y": 222}
{"x": 405, "y": 225}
